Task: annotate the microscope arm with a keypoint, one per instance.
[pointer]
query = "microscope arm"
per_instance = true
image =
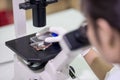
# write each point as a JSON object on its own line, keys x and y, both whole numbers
{"x": 19, "y": 19}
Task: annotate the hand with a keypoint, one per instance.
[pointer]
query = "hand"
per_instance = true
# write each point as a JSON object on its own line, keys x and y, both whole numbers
{"x": 58, "y": 30}
{"x": 61, "y": 32}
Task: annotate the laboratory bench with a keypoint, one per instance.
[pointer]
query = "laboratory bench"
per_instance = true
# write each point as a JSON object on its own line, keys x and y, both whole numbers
{"x": 69, "y": 19}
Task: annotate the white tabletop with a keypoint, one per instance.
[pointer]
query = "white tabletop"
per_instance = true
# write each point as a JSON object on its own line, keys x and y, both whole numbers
{"x": 68, "y": 19}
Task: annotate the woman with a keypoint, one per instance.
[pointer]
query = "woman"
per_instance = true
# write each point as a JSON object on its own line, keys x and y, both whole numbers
{"x": 104, "y": 30}
{"x": 103, "y": 18}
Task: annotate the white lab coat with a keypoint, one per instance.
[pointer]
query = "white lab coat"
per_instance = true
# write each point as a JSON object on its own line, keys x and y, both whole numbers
{"x": 114, "y": 74}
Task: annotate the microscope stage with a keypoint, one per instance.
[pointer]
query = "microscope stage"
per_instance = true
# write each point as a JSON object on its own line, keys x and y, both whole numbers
{"x": 21, "y": 47}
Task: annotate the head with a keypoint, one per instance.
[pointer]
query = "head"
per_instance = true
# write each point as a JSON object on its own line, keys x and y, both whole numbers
{"x": 104, "y": 27}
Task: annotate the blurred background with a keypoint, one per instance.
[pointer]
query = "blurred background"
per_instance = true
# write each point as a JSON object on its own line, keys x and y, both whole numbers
{"x": 6, "y": 13}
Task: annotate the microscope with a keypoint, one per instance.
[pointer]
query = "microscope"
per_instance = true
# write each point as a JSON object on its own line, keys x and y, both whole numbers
{"x": 38, "y": 60}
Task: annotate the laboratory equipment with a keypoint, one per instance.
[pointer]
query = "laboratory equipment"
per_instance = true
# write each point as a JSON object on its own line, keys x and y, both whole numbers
{"x": 51, "y": 63}
{"x": 55, "y": 68}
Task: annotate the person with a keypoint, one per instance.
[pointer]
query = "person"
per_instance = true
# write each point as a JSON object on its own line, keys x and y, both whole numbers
{"x": 103, "y": 31}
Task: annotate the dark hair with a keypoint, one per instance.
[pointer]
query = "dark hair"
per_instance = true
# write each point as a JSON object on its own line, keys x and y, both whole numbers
{"x": 106, "y": 9}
